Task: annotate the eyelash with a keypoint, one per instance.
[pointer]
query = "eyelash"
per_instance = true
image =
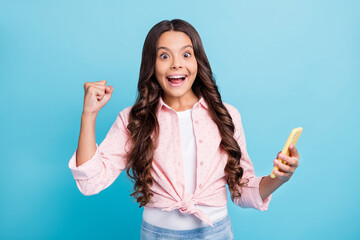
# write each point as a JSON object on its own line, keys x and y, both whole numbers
{"x": 167, "y": 56}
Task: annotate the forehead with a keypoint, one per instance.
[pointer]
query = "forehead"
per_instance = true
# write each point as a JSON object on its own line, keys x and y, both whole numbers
{"x": 174, "y": 40}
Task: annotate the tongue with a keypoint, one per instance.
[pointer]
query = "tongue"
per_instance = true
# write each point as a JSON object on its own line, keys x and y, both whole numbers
{"x": 176, "y": 80}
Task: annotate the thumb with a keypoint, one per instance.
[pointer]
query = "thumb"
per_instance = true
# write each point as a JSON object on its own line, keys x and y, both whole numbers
{"x": 109, "y": 89}
{"x": 107, "y": 96}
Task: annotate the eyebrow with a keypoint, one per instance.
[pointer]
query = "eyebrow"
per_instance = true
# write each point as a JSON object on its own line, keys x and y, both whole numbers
{"x": 169, "y": 49}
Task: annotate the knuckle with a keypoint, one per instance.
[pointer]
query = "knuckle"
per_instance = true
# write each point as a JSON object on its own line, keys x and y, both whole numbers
{"x": 92, "y": 89}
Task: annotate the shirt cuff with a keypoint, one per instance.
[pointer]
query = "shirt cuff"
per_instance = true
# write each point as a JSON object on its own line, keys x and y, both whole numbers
{"x": 250, "y": 196}
{"x": 259, "y": 203}
{"x": 88, "y": 169}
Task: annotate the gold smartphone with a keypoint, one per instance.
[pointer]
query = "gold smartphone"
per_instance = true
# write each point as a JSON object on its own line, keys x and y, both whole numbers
{"x": 293, "y": 138}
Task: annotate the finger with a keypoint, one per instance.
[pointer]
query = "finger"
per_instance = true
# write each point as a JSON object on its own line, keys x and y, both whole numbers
{"x": 283, "y": 167}
{"x": 286, "y": 159}
{"x": 293, "y": 151}
{"x": 102, "y": 83}
{"x": 281, "y": 174}
{"x": 278, "y": 157}
{"x": 109, "y": 89}
{"x": 294, "y": 162}
{"x": 107, "y": 95}
{"x": 98, "y": 87}
{"x": 99, "y": 83}
{"x": 104, "y": 92}
{"x": 106, "y": 89}
{"x": 98, "y": 91}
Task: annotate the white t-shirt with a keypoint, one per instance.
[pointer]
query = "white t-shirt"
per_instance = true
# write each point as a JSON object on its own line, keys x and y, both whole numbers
{"x": 175, "y": 219}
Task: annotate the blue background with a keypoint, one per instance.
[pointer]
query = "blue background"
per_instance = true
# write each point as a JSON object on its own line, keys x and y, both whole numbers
{"x": 283, "y": 64}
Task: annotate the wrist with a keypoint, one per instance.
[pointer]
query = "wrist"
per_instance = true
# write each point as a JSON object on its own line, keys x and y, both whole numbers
{"x": 88, "y": 116}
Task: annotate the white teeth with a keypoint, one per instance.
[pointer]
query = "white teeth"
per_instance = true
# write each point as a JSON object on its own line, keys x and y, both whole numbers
{"x": 177, "y": 77}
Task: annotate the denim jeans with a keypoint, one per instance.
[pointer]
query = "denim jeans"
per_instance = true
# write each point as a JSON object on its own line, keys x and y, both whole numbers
{"x": 222, "y": 230}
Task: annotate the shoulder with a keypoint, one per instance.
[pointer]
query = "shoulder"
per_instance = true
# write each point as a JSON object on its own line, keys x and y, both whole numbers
{"x": 234, "y": 113}
{"x": 124, "y": 115}
{"x": 236, "y": 118}
{"x": 125, "y": 112}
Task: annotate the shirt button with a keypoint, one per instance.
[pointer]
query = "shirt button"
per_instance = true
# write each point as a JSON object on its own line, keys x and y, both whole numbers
{"x": 200, "y": 141}
{"x": 179, "y": 164}
{"x": 196, "y": 122}
{"x": 201, "y": 163}
{"x": 200, "y": 186}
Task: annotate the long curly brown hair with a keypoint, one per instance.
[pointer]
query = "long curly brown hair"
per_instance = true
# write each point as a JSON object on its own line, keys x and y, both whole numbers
{"x": 143, "y": 124}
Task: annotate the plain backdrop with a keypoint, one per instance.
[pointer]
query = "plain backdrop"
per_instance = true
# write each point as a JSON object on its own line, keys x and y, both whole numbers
{"x": 282, "y": 64}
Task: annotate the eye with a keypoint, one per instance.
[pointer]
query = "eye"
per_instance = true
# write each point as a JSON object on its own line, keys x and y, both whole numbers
{"x": 164, "y": 56}
{"x": 187, "y": 55}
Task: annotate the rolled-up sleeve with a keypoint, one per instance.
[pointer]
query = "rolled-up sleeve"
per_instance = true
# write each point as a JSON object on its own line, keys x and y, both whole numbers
{"x": 250, "y": 195}
{"x": 108, "y": 161}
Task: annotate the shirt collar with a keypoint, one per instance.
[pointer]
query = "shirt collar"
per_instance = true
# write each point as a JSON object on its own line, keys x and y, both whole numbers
{"x": 201, "y": 101}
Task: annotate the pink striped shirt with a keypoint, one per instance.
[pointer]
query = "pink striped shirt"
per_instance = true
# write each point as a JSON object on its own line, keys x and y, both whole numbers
{"x": 167, "y": 171}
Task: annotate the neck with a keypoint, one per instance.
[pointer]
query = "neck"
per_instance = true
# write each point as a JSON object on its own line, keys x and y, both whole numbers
{"x": 181, "y": 103}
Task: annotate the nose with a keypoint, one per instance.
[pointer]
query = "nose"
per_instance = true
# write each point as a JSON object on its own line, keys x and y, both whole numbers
{"x": 176, "y": 64}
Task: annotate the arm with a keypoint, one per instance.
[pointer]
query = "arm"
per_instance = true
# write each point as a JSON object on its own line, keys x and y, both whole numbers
{"x": 107, "y": 162}
{"x": 268, "y": 185}
{"x": 250, "y": 193}
{"x": 97, "y": 94}
{"x": 86, "y": 144}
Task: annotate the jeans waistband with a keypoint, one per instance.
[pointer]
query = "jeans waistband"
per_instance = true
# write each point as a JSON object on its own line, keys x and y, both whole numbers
{"x": 218, "y": 226}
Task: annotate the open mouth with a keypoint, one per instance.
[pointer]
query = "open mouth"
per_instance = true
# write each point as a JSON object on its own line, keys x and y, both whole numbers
{"x": 176, "y": 79}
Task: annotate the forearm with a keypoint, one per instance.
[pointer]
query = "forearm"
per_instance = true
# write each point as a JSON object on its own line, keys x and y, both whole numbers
{"x": 268, "y": 185}
{"x": 87, "y": 144}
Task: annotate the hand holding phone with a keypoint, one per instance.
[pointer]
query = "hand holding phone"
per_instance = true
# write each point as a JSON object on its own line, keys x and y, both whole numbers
{"x": 293, "y": 138}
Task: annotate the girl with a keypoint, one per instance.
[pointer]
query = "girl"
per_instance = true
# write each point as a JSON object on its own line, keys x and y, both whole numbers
{"x": 179, "y": 143}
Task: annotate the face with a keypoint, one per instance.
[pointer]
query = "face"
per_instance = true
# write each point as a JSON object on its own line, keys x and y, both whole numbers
{"x": 175, "y": 66}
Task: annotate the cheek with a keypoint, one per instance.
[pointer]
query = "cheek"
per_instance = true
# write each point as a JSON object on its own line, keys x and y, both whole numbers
{"x": 157, "y": 72}
{"x": 159, "y": 69}
{"x": 194, "y": 68}
{"x": 194, "y": 63}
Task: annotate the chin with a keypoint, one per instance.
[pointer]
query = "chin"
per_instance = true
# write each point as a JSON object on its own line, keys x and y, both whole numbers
{"x": 176, "y": 95}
